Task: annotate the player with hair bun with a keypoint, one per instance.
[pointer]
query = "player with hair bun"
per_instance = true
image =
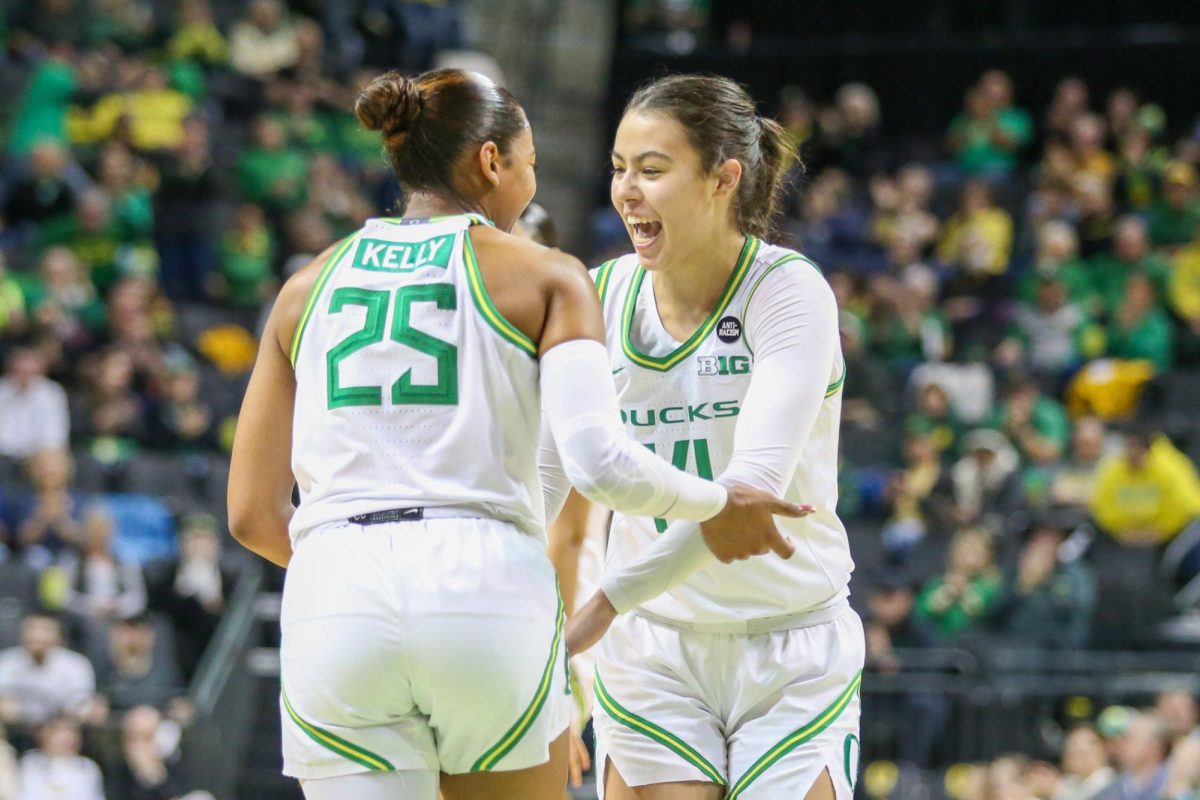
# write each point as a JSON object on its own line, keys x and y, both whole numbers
{"x": 401, "y": 384}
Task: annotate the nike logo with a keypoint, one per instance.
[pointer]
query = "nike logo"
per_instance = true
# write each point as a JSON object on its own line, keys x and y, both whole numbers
{"x": 618, "y": 369}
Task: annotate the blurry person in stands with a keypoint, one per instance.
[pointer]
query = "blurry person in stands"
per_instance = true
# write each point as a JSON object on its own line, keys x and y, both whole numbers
{"x": 958, "y": 602}
{"x": 245, "y": 276}
{"x": 1057, "y": 256}
{"x": 1085, "y": 768}
{"x": 1185, "y": 296}
{"x": 851, "y": 133}
{"x": 184, "y": 209}
{"x": 264, "y": 42}
{"x": 976, "y": 241}
{"x": 41, "y": 679}
{"x": 180, "y": 420}
{"x": 63, "y": 300}
{"x": 101, "y": 587}
{"x": 1071, "y": 482}
{"x": 1034, "y": 422}
{"x": 56, "y": 769}
{"x": 144, "y": 772}
{"x": 1130, "y": 255}
{"x": 1174, "y": 216}
{"x": 1049, "y": 601}
{"x": 10, "y": 774}
{"x": 137, "y": 671}
{"x": 44, "y": 192}
{"x": 13, "y": 319}
{"x": 891, "y": 624}
{"x": 48, "y": 522}
{"x": 1140, "y": 328}
{"x": 193, "y": 591}
{"x": 869, "y": 395}
{"x": 1070, "y": 101}
{"x": 110, "y": 412}
{"x": 985, "y": 479}
{"x": 1087, "y": 148}
{"x": 935, "y": 416}
{"x": 916, "y": 496}
{"x": 35, "y": 414}
{"x": 1148, "y": 493}
{"x": 1051, "y": 331}
{"x": 1141, "y": 758}
{"x": 986, "y": 137}
{"x": 1178, "y": 710}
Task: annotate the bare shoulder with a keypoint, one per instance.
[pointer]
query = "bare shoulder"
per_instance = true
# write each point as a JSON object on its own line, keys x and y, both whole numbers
{"x": 293, "y": 296}
{"x": 506, "y": 251}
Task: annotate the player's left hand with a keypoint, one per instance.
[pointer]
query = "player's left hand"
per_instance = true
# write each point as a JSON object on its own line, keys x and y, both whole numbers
{"x": 590, "y": 623}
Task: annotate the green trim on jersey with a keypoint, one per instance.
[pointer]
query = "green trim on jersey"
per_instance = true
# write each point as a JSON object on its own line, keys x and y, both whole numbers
{"x": 648, "y": 729}
{"x": 664, "y": 363}
{"x": 476, "y": 219}
{"x": 833, "y": 388}
{"x": 315, "y": 292}
{"x": 337, "y": 744}
{"x": 487, "y": 310}
{"x": 788, "y": 259}
{"x": 514, "y": 734}
{"x": 603, "y": 274}
{"x": 797, "y": 738}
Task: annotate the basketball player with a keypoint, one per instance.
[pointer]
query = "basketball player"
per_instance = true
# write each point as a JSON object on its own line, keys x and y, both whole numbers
{"x": 398, "y": 386}
{"x": 740, "y": 682}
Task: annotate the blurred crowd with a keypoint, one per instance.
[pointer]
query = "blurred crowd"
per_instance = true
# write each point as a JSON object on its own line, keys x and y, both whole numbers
{"x": 165, "y": 166}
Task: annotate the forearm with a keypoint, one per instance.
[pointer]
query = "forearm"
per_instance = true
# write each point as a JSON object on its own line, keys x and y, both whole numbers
{"x": 602, "y": 462}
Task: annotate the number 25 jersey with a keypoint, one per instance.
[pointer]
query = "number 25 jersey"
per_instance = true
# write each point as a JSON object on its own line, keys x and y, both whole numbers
{"x": 411, "y": 389}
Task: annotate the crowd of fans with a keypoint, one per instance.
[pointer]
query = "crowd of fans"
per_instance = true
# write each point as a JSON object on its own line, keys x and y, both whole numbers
{"x": 165, "y": 167}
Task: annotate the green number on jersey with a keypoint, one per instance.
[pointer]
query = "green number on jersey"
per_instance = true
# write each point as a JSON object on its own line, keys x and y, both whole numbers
{"x": 679, "y": 459}
{"x": 404, "y": 391}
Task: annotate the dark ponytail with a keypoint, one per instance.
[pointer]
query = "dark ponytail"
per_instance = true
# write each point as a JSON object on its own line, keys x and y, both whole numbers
{"x": 428, "y": 122}
{"x": 722, "y": 122}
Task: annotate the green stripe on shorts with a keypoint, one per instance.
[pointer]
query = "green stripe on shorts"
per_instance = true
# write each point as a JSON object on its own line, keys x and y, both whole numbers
{"x": 514, "y": 734}
{"x": 797, "y": 738}
{"x": 648, "y": 729}
{"x": 337, "y": 744}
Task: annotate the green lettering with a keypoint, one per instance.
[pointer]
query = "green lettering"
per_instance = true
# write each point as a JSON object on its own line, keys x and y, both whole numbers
{"x": 648, "y": 423}
{"x": 697, "y": 412}
{"x": 662, "y": 415}
{"x": 739, "y": 365}
{"x": 726, "y": 408}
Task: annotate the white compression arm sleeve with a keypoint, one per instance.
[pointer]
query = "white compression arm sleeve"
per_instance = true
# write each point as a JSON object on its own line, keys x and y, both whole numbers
{"x": 791, "y": 323}
{"x": 580, "y": 404}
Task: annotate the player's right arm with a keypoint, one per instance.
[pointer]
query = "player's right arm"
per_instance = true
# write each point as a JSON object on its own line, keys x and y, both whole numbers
{"x": 548, "y": 295}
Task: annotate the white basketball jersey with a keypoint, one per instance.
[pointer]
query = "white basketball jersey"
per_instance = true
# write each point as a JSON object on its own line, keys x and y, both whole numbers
{"x": 683, "y": 401}
{"x": 411, "y": 389}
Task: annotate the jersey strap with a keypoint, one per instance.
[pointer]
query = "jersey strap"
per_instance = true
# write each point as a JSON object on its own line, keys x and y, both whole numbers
{"x": 314, "y": 293}
{"x": 483, "y": 303}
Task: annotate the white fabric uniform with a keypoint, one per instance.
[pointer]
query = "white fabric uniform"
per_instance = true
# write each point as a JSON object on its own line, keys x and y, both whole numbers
{"x": 685, "y": 693}
{"x": 431, "y": 643}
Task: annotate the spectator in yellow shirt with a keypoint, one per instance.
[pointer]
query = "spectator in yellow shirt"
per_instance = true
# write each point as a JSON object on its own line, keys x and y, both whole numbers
{"x": 977, "y": 239}
{"x": 1148, "y": 493}
{"x": 153, "y": 111}
{"x": 1185, "y": 294}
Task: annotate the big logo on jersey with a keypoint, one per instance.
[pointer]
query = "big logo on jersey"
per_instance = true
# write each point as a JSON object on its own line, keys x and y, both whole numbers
{"x": 723, "y": 365}
{"x": 678, "y": 415}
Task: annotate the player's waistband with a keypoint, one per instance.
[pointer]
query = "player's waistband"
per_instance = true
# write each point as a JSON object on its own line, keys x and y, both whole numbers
{"x": 780, "y": 622}
{"x": 416, "y": 514}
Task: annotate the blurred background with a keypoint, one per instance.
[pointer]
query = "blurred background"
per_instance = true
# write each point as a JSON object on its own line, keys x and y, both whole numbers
{"x": 1002, "y": 193}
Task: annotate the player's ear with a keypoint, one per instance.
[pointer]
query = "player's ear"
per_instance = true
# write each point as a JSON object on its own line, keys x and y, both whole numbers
{"x": 489, "y": 163}
{"x": 729, "y": 176}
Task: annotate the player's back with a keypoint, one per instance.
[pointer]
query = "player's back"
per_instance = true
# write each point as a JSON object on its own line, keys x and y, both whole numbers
{"x": 411, "y": 389}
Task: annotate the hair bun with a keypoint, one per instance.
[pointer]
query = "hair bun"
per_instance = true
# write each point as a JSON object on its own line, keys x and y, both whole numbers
{"x": 391, "y": 103}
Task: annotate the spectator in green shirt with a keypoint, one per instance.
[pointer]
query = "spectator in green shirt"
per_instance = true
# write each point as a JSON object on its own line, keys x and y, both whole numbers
{"x": 1140, "y": 328}
{"x": 42, "y": 113}
{"x": 1174, "y": 216}
{"x": 1130, "y": 256}
{"x": 1057, "y": 257}
{"x": 271, "y": 173}
{"x": 1035, "y": 423}
{"x": 987, "y": 136}
{"x": 92, "y": 234}
{"x": 245, "y": 278}
{"x": 962, "y": 597}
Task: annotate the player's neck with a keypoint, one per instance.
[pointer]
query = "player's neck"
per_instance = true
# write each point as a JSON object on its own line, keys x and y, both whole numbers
{"x": 422, "y": 205}
{"x": 690, "y": 288}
